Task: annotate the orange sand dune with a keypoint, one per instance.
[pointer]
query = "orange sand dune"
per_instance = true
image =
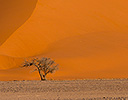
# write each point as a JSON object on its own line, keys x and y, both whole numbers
{"x": 87, "y": 38}
{"x": 13, "y": 14}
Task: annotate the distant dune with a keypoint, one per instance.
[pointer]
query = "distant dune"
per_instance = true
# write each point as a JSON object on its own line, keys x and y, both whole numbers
{"x": 87, "y": 38}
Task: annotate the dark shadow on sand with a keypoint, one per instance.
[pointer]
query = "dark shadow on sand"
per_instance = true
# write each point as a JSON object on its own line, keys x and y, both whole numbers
{"x": 14, "y": 13}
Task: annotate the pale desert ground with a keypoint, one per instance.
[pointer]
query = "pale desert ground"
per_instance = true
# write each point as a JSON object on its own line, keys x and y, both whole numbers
{"x": 99, "y": 89}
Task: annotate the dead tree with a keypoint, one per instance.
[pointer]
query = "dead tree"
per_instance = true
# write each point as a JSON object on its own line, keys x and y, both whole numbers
{"x": 43, "y": 65}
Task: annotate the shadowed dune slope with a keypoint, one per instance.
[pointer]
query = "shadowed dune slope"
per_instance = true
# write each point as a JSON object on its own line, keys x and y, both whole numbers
{"x": 87, "y": 38}
{"x": 13, "y": 14}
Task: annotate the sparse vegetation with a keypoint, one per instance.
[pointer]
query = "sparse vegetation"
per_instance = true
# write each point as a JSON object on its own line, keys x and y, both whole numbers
{"x": 43, "y": 65}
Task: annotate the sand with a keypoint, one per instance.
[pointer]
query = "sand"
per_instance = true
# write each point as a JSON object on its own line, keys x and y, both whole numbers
{"x": 91, "y": 34}
{"x": 100, "y": 89}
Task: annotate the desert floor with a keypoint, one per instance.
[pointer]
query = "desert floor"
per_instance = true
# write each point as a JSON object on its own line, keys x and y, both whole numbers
{"x": 106, "y": 89}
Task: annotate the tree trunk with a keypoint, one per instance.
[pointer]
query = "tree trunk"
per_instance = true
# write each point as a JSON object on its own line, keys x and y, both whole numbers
{"x": 44, "y": 77}
{"x": 40, "y": 74}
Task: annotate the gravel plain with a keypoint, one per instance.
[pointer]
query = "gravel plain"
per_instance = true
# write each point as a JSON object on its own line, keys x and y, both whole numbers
{"x": 98, "y": 89}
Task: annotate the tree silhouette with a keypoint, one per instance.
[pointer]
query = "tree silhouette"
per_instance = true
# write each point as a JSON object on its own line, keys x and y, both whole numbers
{"x": 43, "y": 65}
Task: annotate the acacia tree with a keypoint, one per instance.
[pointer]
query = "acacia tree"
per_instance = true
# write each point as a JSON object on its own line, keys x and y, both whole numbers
{"x": 43, "y": 65}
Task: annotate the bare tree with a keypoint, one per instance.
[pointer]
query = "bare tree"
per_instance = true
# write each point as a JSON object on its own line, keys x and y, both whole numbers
{"x": 43, "y": 66}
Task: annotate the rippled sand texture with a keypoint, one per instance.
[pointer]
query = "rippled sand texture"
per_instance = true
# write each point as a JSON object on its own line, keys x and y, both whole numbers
{"x": 65, "y": 90}
{"x": 87, "y": 38}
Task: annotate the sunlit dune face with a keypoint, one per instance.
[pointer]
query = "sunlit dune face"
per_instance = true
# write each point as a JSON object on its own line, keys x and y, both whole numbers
{"x": 87, "y": 38}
